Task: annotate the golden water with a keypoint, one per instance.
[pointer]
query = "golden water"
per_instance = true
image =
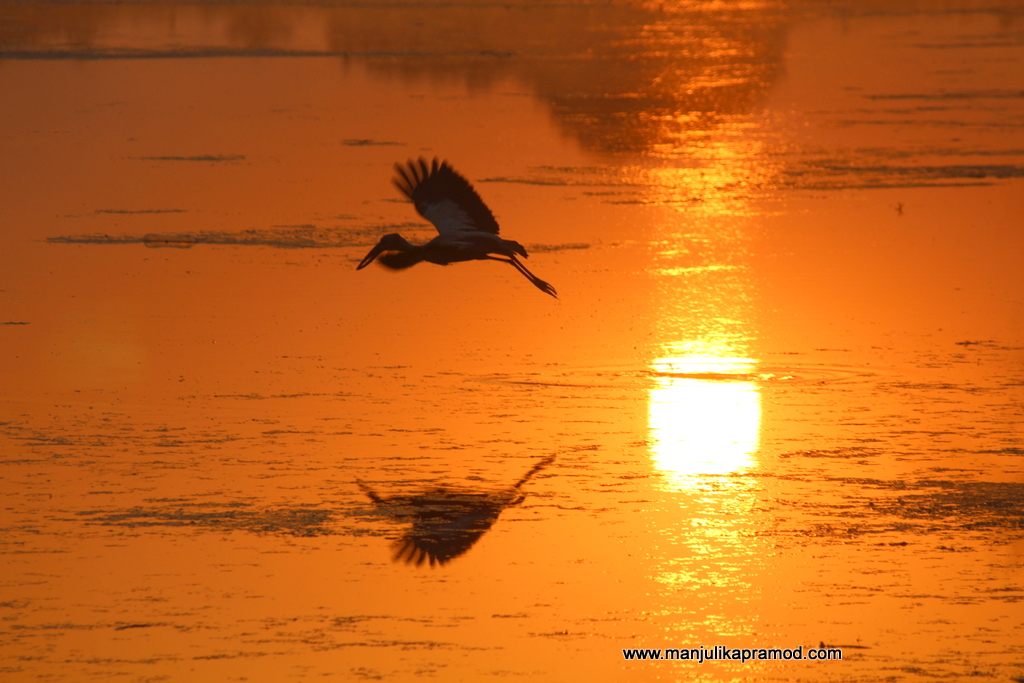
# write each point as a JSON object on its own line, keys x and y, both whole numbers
{"x": 777, "y": 404}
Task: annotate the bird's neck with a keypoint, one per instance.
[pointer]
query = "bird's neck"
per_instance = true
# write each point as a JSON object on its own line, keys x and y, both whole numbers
{"x": 403, "y": 259}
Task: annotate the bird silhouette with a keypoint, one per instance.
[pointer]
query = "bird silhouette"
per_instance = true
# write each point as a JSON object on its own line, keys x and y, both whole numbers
{"x": 447, "y": 521}
{"x": 466, "y": 228}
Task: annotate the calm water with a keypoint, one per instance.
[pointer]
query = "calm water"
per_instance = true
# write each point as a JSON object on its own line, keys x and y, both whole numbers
{"x": 778, "y": 403}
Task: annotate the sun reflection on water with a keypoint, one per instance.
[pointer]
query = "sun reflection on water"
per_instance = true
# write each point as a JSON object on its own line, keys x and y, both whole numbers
{"x": 704, "y": 403}
{"x": 704, "y": 417}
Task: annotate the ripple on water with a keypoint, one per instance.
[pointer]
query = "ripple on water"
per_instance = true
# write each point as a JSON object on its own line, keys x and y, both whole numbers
{"x": 630, "y": 376}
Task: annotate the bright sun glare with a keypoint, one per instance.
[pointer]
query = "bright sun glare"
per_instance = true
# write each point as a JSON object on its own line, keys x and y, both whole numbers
{"x": 704, "y": 417}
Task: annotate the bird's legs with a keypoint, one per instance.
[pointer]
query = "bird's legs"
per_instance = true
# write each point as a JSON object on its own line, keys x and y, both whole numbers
{"x": 538, "y": 283}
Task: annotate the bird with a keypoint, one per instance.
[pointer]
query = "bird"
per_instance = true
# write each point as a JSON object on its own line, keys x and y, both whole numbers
{"x": 467, "y": 230}
{"x": 447, "y": 521}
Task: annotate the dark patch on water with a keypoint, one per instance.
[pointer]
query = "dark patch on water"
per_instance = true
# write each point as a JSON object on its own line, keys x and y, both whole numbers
{"x": 968, "y": 44}
{"x": 922, "y": 507}
{"x": 564, "y": 182}
{"x": 125, "y": 627}
{"x": 964, "y": 505}
{"x": 826, "y": 174}
{"x": 262, "y": 397}
{"x": 848, "y": 453}
{"x": 1006, "y": 451}
{"x": 173, "y": 241}
{"x": 300, "y": 236}
{"x": 926, "y": 172}
{"x": 293, "y": 237}
{"x": 293, "y": 521}
{"x": 956, "y": 95}
{"x": 197, "y": 157}
{"x": 543, "y": 248}
{"x": 139, "y": 211}
{"x": 88, "y": 53}
{"x": 361, "y": 142}
{"x": 911, "y": 153}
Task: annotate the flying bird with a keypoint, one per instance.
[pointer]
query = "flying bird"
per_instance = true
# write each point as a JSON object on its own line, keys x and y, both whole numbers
{"x": 466, "y": 228}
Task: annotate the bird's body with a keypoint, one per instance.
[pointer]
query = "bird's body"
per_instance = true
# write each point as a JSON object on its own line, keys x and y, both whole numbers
{"x": 467, "y": 230}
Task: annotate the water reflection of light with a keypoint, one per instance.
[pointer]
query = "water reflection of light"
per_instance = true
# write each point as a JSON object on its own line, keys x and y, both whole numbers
{"x": 704, "y": 405}
{"x": 704, "y": 417}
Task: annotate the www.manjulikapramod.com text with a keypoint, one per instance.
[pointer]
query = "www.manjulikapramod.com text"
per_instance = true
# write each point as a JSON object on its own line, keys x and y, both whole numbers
{"x": 736, "y": 654}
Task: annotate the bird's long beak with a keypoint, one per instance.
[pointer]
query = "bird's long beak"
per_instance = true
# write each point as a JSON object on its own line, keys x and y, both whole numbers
{"x": 368, "y": 259}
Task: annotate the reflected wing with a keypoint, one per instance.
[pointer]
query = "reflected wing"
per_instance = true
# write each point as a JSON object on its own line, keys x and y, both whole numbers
{"x": 444, "y": 197}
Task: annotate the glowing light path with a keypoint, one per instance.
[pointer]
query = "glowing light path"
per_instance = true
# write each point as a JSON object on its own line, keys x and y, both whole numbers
{"x": 704, "y": 417}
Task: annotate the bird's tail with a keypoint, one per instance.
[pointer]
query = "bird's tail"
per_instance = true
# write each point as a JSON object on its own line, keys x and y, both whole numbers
{"x": 398, "y": 260}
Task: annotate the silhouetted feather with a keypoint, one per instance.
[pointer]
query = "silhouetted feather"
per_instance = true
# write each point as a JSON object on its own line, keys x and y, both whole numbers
{"x": 432, "y": 186}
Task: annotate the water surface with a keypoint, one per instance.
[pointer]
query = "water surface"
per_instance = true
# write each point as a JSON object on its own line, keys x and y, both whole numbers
{"x": 777, "y": 404}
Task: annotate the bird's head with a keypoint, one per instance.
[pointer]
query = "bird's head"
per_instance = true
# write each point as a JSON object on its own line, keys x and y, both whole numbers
{"x": 392, "y": 242}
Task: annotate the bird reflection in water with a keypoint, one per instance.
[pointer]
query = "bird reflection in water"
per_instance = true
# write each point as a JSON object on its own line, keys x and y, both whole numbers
{"x": 467, "y": 230}
{"x": 446, "y": 522}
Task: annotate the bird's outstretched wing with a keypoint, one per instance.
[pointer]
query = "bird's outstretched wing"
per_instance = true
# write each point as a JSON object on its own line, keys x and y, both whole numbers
{"x": 444, "y": 197}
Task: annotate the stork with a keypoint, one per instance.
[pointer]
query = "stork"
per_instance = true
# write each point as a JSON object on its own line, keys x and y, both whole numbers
{"x": 466, "y": 228}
